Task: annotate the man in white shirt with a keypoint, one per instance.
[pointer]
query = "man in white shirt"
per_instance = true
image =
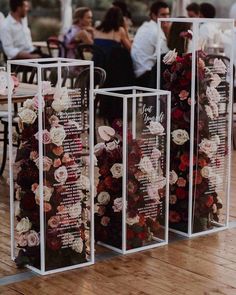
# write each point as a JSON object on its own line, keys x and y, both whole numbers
{"x": 143, "y": 51}
{"x": 15, "y": 34}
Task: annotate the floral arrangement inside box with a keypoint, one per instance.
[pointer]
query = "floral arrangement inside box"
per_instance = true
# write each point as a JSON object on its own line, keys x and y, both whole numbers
{"x": 66, "y": 186}
{"x": 208, "y": 141}
{"x": 141, "y": 227}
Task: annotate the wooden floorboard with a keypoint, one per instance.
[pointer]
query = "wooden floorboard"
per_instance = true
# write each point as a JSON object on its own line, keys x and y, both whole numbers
{"x": 200, "y": 266}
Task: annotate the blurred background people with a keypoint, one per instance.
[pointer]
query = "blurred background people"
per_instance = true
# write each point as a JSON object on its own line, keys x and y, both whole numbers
{"x": 143, "y": 50}
{"x": 15, "y": 34}
{"x": 178, "y": 37}
{"x": 126, "y": 15}
{"x": 111, "y": 33}
{"x": 193, "y": 10}
{"x": 81, "y": 31}
{"x": 208, "y": 32}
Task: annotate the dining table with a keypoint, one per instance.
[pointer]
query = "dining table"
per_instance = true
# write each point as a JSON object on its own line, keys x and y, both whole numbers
{"x": 20, "y": 94}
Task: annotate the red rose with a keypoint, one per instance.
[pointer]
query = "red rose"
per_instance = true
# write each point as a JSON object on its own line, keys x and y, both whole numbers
{"x": 185, "y": 159}
{"x": 177, "y": 114}
{"x": 174, "y": 217}
{"x": 182, "y": 167}
{"x": 181, "y": 193}
{"x": 101, "y": 187}
{"x": 142, "y": 236}
{"x": 210, "y": 201}
{"x": 53, "y": 243}
{"x": 28, "y": 201}
{"x": 129, "y": 234}
{"x": 104, "y": 170}
{"x": 132, "y": 186}
{"x": 197, "y": 178}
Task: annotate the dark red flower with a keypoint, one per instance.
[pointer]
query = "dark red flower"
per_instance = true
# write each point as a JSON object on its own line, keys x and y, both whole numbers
{"x": 177, "y": 114}
{"x": 104, "y": 170}
{"x": 174, "y": 217}
{"x": 54, "y": 243}
{"x": 210, "y": 201}
{"x": 132, "y": 186}
{"x": 181, "y": 193}
{"x": 28, "y": 201}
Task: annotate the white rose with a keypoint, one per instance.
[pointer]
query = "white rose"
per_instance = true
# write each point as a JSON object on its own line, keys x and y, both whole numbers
{"x": 32, "y": 238}
{"x": 103, "y": 198}
{"x": 57, "y": 135}
{"x": 170, "y": 57}
{"x": 152, "y": 191}
{"x": 17, "y": 208}
{"x": 112, "y": 145}
{"x": 161, "y": 182}
{"x": 209, "y": 112}
{"x": 145, "y": 165}
{"x": 156, "y": 128}
{"x": 75, "y": 210}
{"x": 208, "y": 147}
{"x": 118, "y": 205}
{"x": 156, "y": 154}
{"x": 173, "y": 177}
{"x": 215, "y": 80}
{"x": 24, "y": 225}
{"x": 117, "y": 170}
{"x": 47, "y": 163}
{"x": 46, "y": 87}
{"x": 206, "y": 172}
{"x": 47, "y": 193}
{"x": 61, "y": 100}
{"x": 61, "y": 174}
{"x": 215, "y": 109}
{"x": 84, "y": 182}
{"x": 78, "y": 245}
{"x": 106, "y": 133}
{"x": 98, "y": 148}
{"x": 27, "y": 116}
{"x": 219, "y": 66}
{"x": 212, "y": 94}
{"x": 180, "y": 136}
{"x": 173, "y": 199}
{"x": 216, "y": 138}
{"x": 132, "y": 220}
{"x": 29, "y": 104}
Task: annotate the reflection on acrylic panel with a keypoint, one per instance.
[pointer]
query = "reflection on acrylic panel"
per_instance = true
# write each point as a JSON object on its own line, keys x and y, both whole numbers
{"x": 66, "y": 180}
{"x": 139, "y": 174}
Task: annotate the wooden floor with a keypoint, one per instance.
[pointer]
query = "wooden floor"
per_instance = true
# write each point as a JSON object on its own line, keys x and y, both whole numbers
{"x": 205, "y": 265}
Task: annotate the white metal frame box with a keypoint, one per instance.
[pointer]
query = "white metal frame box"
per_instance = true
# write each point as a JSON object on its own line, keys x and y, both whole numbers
{"x": 199, "y": 73}
{"x": 131, "y": 203}
{"x": 51, "y": 177}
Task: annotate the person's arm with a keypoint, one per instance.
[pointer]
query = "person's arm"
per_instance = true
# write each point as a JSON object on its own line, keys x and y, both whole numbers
{"x": 85, "y": 36}
{"x": 26, "y": 55}
{"x": 124, "y": 39}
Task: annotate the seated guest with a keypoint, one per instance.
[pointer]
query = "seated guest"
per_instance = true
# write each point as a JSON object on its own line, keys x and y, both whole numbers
{"x": 126, "y": 15}
{"x": 15, "y": 34}
{"x": 80, "y": 32}
{"x": 145, "y": 42}
{"x": 177, "y": 38}
{"x": 193, "y": 10}
{"x": 111, "y": 33}
{"x": 114, "y": 57}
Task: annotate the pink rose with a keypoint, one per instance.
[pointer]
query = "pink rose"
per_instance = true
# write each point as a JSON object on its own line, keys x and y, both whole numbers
{"x": 34, "y": 187}
{"x": 22, "y": 240}
{"x": 105, "y": 220}
{"x": 183, "y": 95}
{"x": 47, "y": 163}
{"x": 57, "y": 163}
{"x": 47, "y": 207}
{"x": 54, "y": 221}
{"x": 181, "y": 182}
{"x": 36, "y": 102}
{"x": 34, "y": 155}
{"x": 54, "y": 121}
{"x": 33, "y": 238}
{"x": 45, "y": 135}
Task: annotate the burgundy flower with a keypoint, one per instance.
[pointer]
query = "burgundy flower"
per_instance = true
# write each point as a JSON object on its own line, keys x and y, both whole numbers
{"x": 181, "y": 193}
{"x": 174, "y": 217}
{"x": 54, "y": 243}
{"x": 132, "y": 186}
